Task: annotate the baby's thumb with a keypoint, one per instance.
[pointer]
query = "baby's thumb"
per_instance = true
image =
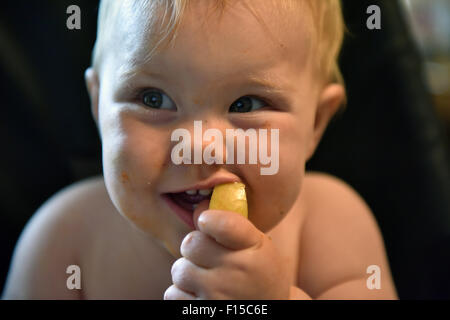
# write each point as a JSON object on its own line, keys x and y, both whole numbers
{"x": 202, "y": 206}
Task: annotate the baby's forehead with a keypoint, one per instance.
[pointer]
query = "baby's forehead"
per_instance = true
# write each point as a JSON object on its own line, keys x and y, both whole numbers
{"x": 254, "y": 31}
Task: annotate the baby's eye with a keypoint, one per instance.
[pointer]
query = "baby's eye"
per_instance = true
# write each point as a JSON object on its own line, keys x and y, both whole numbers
{"x": 246, "y": 104}
{"x": 156, "y": 99}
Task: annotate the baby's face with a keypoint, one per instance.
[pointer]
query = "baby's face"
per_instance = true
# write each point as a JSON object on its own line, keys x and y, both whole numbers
{"x": 207, "y": 75}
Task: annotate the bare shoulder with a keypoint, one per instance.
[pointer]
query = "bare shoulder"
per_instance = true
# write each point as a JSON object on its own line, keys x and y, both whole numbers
{"x": 319, "y": 187}
{"x": 52, "y": 240}
{"x": 340, "y": 240}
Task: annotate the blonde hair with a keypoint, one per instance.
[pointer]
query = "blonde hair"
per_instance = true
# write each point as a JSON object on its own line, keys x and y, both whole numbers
{"x": 327, "y": 19}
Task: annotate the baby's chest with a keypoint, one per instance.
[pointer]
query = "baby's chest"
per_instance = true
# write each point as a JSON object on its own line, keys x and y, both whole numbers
{"x": 121, "y": 276}
{"x": 116, "y": 272}
{"x": 113, "y": 269}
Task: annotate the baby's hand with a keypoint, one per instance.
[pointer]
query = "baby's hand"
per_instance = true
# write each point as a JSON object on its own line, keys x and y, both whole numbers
{"x": 227, "y": 258}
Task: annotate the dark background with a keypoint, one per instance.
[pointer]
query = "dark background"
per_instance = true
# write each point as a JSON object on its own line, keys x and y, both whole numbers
{"x": 388, "y": 144}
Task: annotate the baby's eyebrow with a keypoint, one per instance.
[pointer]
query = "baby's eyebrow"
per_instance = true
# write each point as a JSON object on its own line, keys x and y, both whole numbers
{"x": 264, "y": 82}
{"x": 127, "y": 73}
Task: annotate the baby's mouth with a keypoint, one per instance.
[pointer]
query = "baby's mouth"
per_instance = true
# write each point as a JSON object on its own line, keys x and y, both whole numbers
{"x": 189, "y": 199}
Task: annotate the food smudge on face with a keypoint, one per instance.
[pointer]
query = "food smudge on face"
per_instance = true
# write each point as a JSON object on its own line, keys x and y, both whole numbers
{"x": 266, "y": 125}
{"x": 124, "y": 177}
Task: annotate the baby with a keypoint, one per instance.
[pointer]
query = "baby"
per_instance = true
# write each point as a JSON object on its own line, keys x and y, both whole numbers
{"x": 143, "y": 230}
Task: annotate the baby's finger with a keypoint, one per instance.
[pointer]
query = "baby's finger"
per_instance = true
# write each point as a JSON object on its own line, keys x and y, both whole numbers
{"x": 175, "y": 293}
{"x": 203, "y": 250}
{"x": 230, "y": 229}
{"x": 188, "y": 276}
{"x": 202, "y": 206}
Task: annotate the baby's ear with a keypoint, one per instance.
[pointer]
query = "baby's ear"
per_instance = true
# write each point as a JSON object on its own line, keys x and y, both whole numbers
{"x": 92, "y": 84}
{"x": 331, "y": 98}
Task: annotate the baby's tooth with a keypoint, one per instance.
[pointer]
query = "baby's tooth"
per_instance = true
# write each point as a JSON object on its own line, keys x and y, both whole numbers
{"x": 205, "y": 192}
{"x": 191, "y": 192}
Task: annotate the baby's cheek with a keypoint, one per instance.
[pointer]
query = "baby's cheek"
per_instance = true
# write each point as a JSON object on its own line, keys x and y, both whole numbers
{"x": 271, "y": 197}
{"x": 131, "y": 184}
{"x": 138, "y": 152}
{"x": 132, "y": 146}
{"x": 131, "y": 170}
{"x": 118, "y": 177}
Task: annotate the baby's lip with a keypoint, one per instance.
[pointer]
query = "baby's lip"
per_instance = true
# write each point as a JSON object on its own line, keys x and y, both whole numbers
{"x": 208, "y": 183}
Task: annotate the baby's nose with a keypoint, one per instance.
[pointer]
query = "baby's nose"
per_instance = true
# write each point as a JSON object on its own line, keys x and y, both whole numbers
{"x": 200, "y": 142}
{"x": 208, "y": 143}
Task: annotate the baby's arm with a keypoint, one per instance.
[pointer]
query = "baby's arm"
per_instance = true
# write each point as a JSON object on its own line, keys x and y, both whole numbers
{"x": 45, "y": 249}
{"x": 340, "y": 240}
